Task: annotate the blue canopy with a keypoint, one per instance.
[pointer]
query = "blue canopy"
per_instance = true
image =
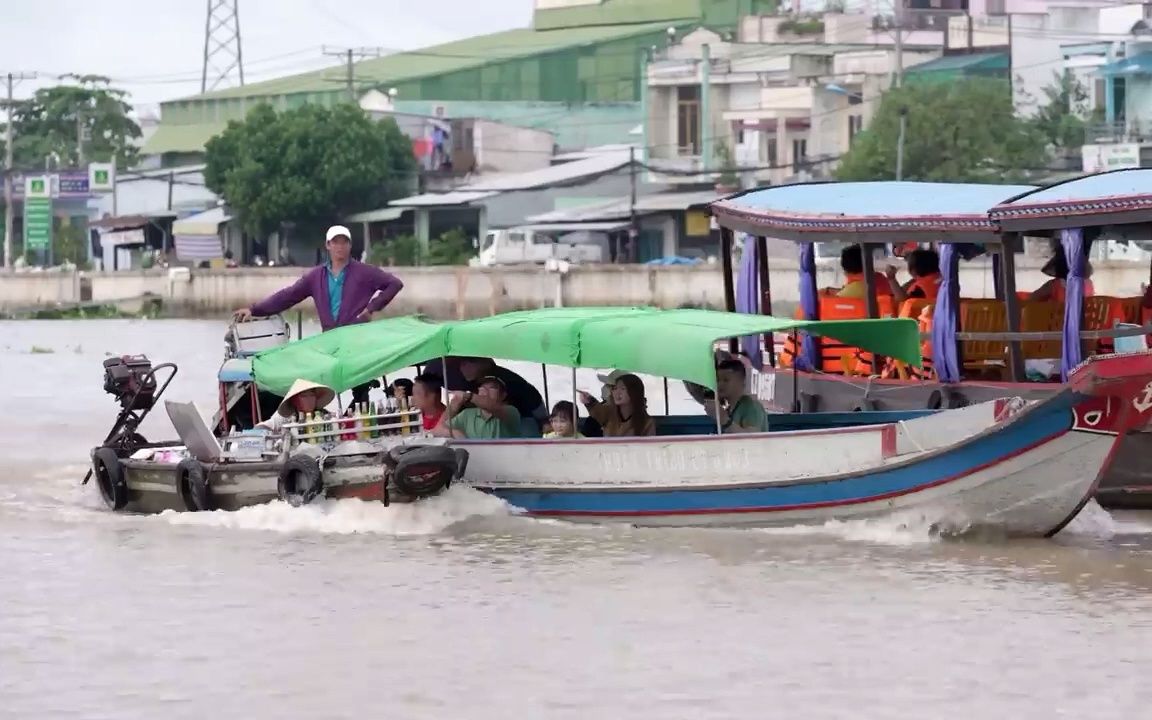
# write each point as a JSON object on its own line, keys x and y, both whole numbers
{"x": 1110, "y": 198}
{"x": 871, "y": 212}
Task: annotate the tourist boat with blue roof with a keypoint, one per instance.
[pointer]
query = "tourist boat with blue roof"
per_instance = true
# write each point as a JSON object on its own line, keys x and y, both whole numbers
{"x": 977, "y": 349}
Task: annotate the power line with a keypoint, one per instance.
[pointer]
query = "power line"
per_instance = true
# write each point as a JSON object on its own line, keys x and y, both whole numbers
{"x": 349, "y": 55}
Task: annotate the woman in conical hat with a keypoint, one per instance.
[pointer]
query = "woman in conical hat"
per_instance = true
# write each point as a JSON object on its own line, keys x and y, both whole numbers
{"x": 305, "y": 397}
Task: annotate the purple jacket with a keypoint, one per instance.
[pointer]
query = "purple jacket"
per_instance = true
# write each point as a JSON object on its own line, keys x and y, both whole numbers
{"x": 366, "y": 287}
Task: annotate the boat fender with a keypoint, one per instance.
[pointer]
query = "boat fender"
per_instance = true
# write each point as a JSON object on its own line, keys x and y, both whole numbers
{"x": 935, "y": 400}
{"x": 954, "y": 399}
{"x": 809, "y": 403}
{"x": 865, "y": 405}
{"x": 300, "y": 481}
{"x": 461, "y": 462}
{"x": 192, "y": 486}
{"x": 421, "y": 471}
{"x": 110, "y": 478}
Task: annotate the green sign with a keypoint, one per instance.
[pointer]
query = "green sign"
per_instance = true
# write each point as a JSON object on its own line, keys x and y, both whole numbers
{"x": 37, "y": 187}
{"x": 37, "y": 223}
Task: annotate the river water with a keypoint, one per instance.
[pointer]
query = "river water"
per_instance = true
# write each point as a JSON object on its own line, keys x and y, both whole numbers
{"x": 458, "y": 608}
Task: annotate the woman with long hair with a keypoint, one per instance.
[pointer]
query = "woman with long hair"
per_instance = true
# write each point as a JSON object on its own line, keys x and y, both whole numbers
{"x": 626, "y": 413}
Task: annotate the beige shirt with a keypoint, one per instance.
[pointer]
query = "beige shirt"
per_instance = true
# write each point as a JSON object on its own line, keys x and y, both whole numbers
{"x": 609, "y": 419}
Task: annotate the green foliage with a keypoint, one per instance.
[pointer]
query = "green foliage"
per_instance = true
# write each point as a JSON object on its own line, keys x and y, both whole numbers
{"x": 403, "y": 251}
{"x": 802, "y": 26}
{"x": 958, "y": 132}
{"x": 728, "y": 175}
{"x": 47, "y": 124}
{"x": 451, "y": 248}
{"x": 309, "y": 166}
{"x": 70, "y": 245}
{"x": 1061, "y": 119}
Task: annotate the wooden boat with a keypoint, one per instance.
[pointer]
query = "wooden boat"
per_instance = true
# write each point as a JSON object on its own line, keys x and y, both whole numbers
{"x": 1013, "y": 466}
{"x": 383, "y": 456}
{"x": 962, "y": 221}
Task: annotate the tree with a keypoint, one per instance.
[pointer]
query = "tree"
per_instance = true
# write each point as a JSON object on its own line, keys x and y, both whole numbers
{"x": 310, "y": 166}
{"x": 956, "y": 132}
{"x": 1061, "y": 119}
{"x": 451, "y": 248}
{"x": 52, "y": 121}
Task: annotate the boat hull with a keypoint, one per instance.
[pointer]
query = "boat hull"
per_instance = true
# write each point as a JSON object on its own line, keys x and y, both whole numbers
{"x": 152, "y": 487}
{"x": 1025, "y": 476}
{"x": 1127, "y": 483}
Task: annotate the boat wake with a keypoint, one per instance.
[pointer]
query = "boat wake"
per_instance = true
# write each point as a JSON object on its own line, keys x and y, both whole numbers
{"x": 352, "y": 516}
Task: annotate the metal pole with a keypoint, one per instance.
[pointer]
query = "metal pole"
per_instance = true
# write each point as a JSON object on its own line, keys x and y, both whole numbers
{"x": 900, "y": 144}
{"x": 79, "y": 140}
{"x": 633, "y": 227}
{"x": 8, "y": 213}
{"x": 898, "y": 10}
{"x": 666, "y": 411}
{"x": 705, "y": 129}
{"x": 351, "y": 86}
{"x": 544, "y": 373}
{"x": 1012, "y": 304}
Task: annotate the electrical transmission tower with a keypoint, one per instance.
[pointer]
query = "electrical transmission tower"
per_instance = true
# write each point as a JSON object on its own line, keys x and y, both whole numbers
{"x": 223, "y": 61}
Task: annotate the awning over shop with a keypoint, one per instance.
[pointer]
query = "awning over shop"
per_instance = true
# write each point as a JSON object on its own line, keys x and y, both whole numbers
{"x": 197, "y": 237}
{"x": 1140, "y": 64}
{"x": 577, "y": 227}
{"x": 378, "y": 215}
{"x": 205, "y": 223}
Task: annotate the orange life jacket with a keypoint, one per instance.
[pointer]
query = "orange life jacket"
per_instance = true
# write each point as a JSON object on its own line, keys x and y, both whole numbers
{"x": 928, "y": 285}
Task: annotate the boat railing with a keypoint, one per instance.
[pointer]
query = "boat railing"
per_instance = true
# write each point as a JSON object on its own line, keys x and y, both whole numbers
{"x": 358, "y": 427}
{"x": 1119, "y": 332}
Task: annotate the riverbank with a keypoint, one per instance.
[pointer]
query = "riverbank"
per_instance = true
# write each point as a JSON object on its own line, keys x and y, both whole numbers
{"x": 464, "y": 292}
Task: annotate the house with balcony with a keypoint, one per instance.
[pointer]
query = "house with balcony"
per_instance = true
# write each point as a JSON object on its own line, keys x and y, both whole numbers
{"x": 772, "y": 105}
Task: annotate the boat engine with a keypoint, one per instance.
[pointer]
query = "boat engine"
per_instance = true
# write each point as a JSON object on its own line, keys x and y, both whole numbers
{"x": 420, "y": 471}
{"x": 132, "y": 380}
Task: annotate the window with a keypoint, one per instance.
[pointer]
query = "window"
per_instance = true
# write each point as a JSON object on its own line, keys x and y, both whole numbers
{"x": 688, "y": 119}
{"x": 799, "y": 154}
{"x": 773, "y": 158}
{"x": 855, "y": 125}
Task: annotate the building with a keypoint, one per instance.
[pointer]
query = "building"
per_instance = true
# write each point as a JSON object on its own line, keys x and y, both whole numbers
{"x": 504, "y": 201}
{"x": 773, "y": 105}
{"x": 577, "y": 53}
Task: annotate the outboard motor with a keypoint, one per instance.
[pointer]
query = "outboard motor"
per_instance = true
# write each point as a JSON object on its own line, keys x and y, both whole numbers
{"x": 420, "y": 471}
{"x": 131, "y": 380}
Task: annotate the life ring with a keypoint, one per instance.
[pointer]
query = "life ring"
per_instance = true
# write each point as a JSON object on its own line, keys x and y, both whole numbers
{"x": 300, "y": 481}
{"x": 110, "y": 478}
{"x": 192, "y": 486}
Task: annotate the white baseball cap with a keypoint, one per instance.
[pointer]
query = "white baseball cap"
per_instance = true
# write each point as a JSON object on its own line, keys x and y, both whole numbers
{"x": 337, "y": 231}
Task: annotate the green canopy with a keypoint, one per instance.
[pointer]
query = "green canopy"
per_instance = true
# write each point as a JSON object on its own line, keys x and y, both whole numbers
{"x": 352, "y": 355}
{"x": 671, "y": 343}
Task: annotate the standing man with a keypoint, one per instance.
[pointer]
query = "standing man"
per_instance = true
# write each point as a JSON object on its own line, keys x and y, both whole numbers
{"x": 345, "y": 291}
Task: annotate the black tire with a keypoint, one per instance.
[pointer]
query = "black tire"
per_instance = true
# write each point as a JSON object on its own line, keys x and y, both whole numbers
{"x": 110, "y": 478}
{"x": 300, "y": 481}
{"x": 424, "y": 470}
{"x": 192, "y": 486}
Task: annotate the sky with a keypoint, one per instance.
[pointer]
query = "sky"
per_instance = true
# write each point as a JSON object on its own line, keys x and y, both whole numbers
{"x": 154, "y": 48}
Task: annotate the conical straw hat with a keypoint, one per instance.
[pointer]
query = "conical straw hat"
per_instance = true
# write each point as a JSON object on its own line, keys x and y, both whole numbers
{"x": 327, "y": 395}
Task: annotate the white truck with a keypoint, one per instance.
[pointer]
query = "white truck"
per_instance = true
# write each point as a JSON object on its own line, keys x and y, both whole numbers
{"x": 537, "y": 245}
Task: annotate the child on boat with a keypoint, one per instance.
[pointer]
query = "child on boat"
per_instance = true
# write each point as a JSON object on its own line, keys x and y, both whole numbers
{"x": 562, "y": 421}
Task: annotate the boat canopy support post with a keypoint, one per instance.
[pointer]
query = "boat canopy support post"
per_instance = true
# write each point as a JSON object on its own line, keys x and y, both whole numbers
{"x": 997, "y": 276}
{"x": 1012, "y": 304}
{"x": 870, "y": 294}
{"x": 544, "y": 373}
{"x": 765, "y": 294}
{"x": 726, "y": 243}
{"x": 666, "y": 411}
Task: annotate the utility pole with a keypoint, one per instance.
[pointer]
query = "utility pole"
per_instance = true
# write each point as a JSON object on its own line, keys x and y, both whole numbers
{"x": 633, "y": 226}
{"x": 898, "y": 10}
{"x": 350, "y": 55}
{"x": 80, "y": 139}
{"x": 9, "y": 214}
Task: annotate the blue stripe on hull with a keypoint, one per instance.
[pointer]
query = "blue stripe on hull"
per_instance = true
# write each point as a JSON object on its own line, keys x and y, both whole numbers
{"x": 1040, "y": 425}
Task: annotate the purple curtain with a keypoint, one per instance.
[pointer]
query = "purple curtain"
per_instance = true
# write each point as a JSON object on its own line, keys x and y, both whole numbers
{"x": 945, "y": 316}
{"x": 748, "y": 297}
{"x": 1073, "y": 243}
{"x": 809, "y": 304}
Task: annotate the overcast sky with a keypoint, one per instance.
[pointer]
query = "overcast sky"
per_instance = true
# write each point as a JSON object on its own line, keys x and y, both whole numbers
{"x": 154, "y": 48}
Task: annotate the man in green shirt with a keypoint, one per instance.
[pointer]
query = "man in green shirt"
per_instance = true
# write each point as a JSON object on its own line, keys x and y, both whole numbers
{"x": 487, "y": 417}
{"x": 739, "y": 413}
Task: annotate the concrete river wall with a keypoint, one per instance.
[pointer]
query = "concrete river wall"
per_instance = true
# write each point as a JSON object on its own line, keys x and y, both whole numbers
{"x": 462, "y": 292}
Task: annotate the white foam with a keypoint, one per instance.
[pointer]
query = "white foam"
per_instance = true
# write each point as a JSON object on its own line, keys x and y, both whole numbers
{"x": 1093, "y": 521}
{"x": 896, "y": 529}
{"x": 351, "y": 516}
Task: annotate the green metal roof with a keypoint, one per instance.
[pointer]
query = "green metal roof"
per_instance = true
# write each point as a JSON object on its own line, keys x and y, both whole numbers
{"x": 615, "y": 12}
{"x": 440, "y": 59}
{"x": 181, "y": 138}
{"x": 959, "y": 64}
